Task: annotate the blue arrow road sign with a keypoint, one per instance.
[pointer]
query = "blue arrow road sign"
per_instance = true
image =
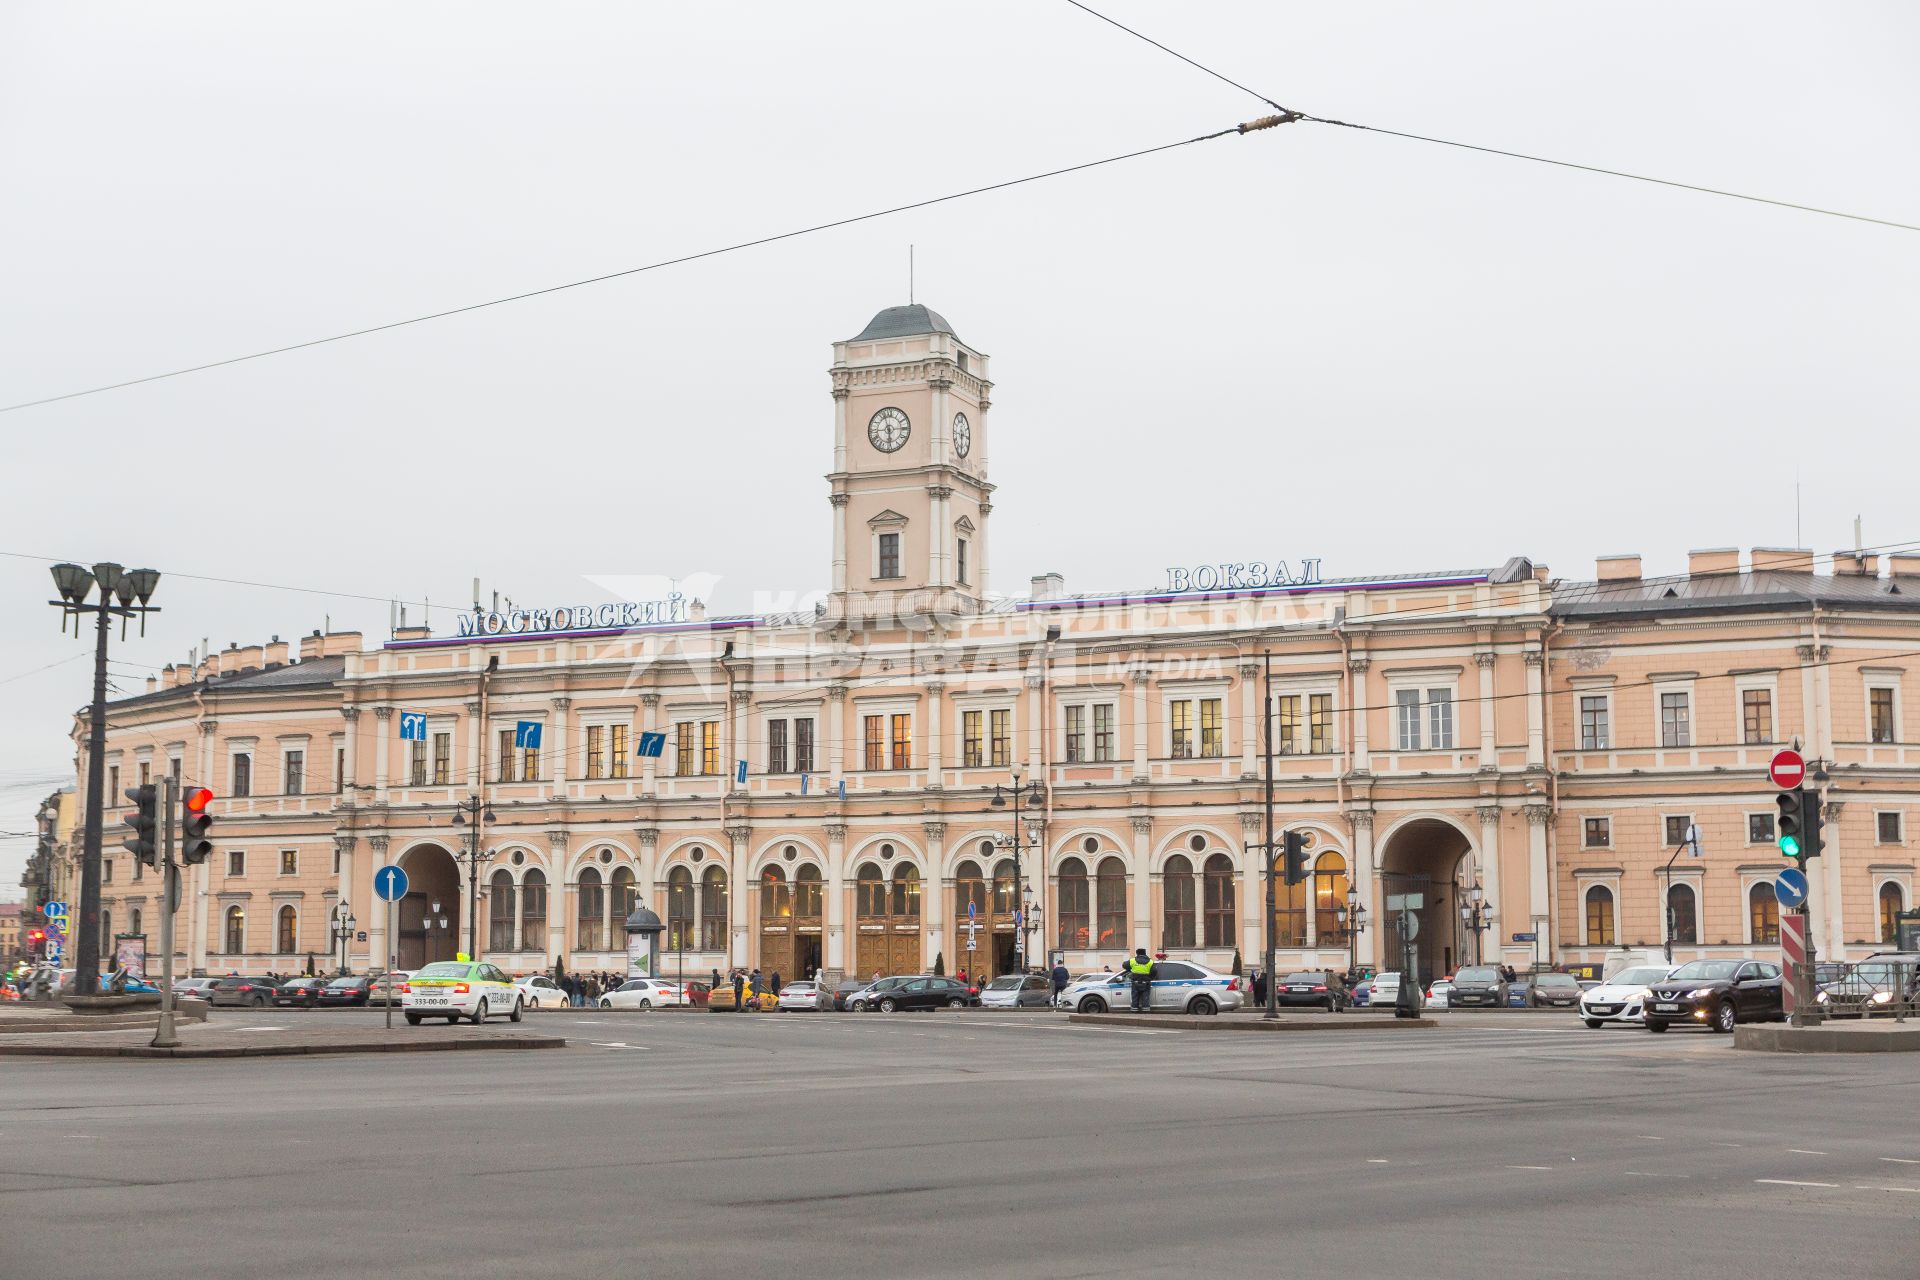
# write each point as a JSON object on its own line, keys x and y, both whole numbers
{"x": 740, "y": 771}
{"x": 1790, "y": 887}
{"x": 390, "y": 883}
{"x": 54, "y": 910}
{"x": 413, "y": 726}
{"x": 526, "y": 735}
{"x": 651, "y": 744}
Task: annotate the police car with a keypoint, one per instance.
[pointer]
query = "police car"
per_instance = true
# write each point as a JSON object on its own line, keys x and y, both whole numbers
{"x": 456, "y": 989}
{"x": 1178, "y": 987}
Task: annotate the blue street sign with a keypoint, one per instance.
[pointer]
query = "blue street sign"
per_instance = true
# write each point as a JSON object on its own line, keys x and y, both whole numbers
{"x": 390, "y": 883}
{"x": 55, "y": 910}
{"x": 843, "y": 788}
{"x": 651, "y": 744}
{"x": 1790, "y": 887}
{"x": 803, "y": 784}
{"x": 1526, "y": 937}
{"x": 969, "y": 910}
{"x": 413, "y": 726}
{"x": 740, "y": 771}
{"x": 526, "y": 735}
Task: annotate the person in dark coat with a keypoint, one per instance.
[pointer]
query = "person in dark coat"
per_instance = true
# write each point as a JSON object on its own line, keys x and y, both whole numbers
{"x": 1059, "y": 977}
{"x": 739, "y": 990}
{"x": 773, "y": 983}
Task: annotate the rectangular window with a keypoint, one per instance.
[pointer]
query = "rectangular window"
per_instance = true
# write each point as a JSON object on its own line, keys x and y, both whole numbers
{"x": 506, "y": 756}
{"x": 442, "y": 759}
{"x": 803, "y": 744}
{"x": 1182, "y": 730}
{"x": 617, "y": 751}
{"x": 1677, "y": 825}
{"x": 683, "y": 748}
{"x": 998, "y": 722}
{"x": 294, "y": 767}
{"x": 1076, "y": 735}
{"x": 1880, "y": 714}
{"x": 902, "y": 741}
{"x": 1593, "y": 722}
{"x": 972, "y": 744}
{"x": 1213, "y": 734}
{"x": 1599, "y": 833}
{"x": 113, "y": 796}
{"x": 1286, "y": 726}
{"x": 289, "y": 862}
{"x": 1103, "y": 732}
{"x": 1676, "y": 720}
{"x": 876, "y": 742}
{"x": 1759, "y": 828}
{"x": 339, "y": 770}
{"x": 889, "y": 556}
{"x": 596, "y": 751}
{"x": 173, "y": 768}
{"x": 106, "y": 870}
{"x": 1440, "y": 719}
{"x": 1756, "y": 715}
{"x": 242, "y": 774}
{"x": 530, "y": 765}
{"x": 1887, "y": 827}
{"x": 776, "y": 746}
{"x": 710, "y": 747}
{"x": 1406, "y": 706}
{"x": 236, "y": 862}
{"x": 1320, "y": 723}
{"x": 417, "y": 763}
{"x": 146, "y": 774}
{"x": 960, "y": 560}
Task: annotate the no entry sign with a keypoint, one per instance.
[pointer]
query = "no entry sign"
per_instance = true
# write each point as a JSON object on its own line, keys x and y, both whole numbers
{"x": 1787, "y": 770}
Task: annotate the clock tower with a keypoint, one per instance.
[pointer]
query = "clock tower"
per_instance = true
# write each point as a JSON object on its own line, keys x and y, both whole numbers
{"x": 909, "y": 481}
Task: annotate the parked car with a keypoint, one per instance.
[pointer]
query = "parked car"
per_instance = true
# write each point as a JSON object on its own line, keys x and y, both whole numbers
{"x": 377, "y": 993}
{"x": 1621, "y": 998}
{"x": 1313, "y": 989}
{"x": 1437, "y": 992}
{"x": 1363, "y": 993}
{"x": 846, "y": 991}
{"x": 236, "y": 992}
{"x": 1874, "y": 986}
{"x": 542, "y": 992}
{"x": 643, "y": 993}
{"x": 1017, "y": 991}
{"x": 1178, "y": 987}
{"x": 1716, "y": 994}
{"x": 1385, "y": 989}
{"x": 193, "y": 988}
{"x": 299, "y": 993}
{"x": 720, "y": 999}
{"x": 1478, "y": 986}
{"x": 870, "y": 995}
{"x": 1520, "y": 992}
{"x": 925, "y": 991}
{"x": 347, "y": 993}
{"x": 805, "y": 995}
{"x": 1556, "y": 990}
{"x": 697, "y": 993}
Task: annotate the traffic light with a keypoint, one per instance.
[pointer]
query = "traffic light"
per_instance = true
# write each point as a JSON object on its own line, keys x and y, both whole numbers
{"x": 141, "y": 820}
{"x": 1810, "y": 823}
{"x": 195, "y": 847}
{"x": 35, "y": 941}
{"x": 1789, "y": 827}
{"x": 1294, "y": 848}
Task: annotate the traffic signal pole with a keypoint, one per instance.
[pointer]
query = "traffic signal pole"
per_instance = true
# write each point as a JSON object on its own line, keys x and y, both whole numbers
{"x": 1266, "y": 741}
{"x": 164, "y": 1036}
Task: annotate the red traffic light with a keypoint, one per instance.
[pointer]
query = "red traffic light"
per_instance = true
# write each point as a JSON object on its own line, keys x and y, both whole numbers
{"x": 197, "y": 800}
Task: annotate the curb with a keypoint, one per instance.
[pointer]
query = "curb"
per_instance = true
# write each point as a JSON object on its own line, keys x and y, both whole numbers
{"x": 1234, "y": 1023}
{"x": 275, "y": 1050}
{"x": 1779, "y": 1039}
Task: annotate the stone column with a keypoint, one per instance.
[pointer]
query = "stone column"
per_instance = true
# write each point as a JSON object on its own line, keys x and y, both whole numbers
{"x": 1489, "y": 748}
{"x": 351, "y": 714}
{"x": 980, "y": 537}
{"x": 1035, "y": 744}
{"x": 376, "y": 916}
{"x": 1491, "y": 940}
{"x": 649, "y": 723}
{"x": 1366, "y": 881}
{"x": 559, "y": 898}
{"x": 1540, "y": 879}
{"x": 836, "y": 733}
{"x": 737, "y": 853}
{"x": 476, "y": 769}
{"x": 940, "y": 537}
{"x": 936, "y": 893}
{"x": 380, "y": 747}
{"x": 1253, "y": 888}
{"x": 343, "y": 842}
{"x": 557, "y": 752}
{"x": 1536, "y": 710}
{"x": 839, "y": 501}
{"x": 1251, "y": 736}
{"x": 647, "y": 872}
{"x": 936, "y": 741}
{"x": 738, "y": 703}
{"x": 1141, "y": 913}
{"x": 1357, "y": 712}
{"x": 1826, "y": 916}
{"x": 839, "y": 955}
{"x": 1141, "y": 676}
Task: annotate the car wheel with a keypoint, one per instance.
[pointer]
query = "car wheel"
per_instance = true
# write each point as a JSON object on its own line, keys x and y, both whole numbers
{"x": 606, "y": 1004}
{"x": 858, "y": 1006}
{"x": 1093, "y": 1004}
{"x": 956, "y": 1004}
{"x": 534, "y": 1003}
{"x": 1652, "y": 1025}
{"x": 1330, "y": 1006}
{"x": 413, "y": 1019}
{"x": 888, "y": 1005}
{"x": 258, "y": 1002}
{"x": 1203, "y": 1006}
{"x": 646, "y": 1004}
{"x": 1724, "y": 1017}
{"x": 480, "y": 1012}
{"x": 515, "y": 1015}
{"x": 1595, "y": 1023}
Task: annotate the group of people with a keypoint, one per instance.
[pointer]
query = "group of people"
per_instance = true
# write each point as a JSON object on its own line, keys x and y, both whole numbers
{"x": 585, "y": 989}
{"x": 749, "y": 984}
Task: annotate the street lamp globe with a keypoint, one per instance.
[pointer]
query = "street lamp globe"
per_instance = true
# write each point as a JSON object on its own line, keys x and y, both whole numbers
{"x": 107, "y": 574}
{"x": 72, "y": 581}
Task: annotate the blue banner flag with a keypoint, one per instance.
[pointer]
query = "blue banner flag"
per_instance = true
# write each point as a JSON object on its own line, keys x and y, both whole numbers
{"x": 740, "y": 771}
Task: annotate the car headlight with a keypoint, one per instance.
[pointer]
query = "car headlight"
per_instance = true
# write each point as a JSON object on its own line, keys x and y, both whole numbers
{"x": 1700, "y": 993}
{"x": 1883, "y": 997}
{"x": 1823, "y": 997}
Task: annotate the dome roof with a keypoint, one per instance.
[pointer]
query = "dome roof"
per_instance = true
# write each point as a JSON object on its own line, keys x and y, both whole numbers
{"x": 643, "y": 920}
{"x": 900, "y": 322}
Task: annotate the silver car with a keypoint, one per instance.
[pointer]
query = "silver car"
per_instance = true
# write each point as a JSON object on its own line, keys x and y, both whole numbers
{"x": 1016, "y": 991}
{"x": 1178, "y": 987}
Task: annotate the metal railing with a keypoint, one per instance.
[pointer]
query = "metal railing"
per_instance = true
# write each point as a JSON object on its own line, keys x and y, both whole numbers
{"x": 1867, "y": 989}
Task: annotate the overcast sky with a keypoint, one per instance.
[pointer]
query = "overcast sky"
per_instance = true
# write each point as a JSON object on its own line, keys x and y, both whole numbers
{"x": 1307, "y": 341}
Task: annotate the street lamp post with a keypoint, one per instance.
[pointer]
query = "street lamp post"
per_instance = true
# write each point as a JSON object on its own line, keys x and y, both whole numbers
{"x": 119, "y": 589}
{"x": 1352, "y": 918}
{"x": 1029, "y": 795}
{"x": 343, "y": 929}
{"x": 434, "y": 920}
{"x": 1476, "y": 916}
{"x": 470, "y": 813}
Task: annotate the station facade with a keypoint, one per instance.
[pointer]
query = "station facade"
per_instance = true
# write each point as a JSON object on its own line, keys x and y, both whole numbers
{"x": 924, "y": 771}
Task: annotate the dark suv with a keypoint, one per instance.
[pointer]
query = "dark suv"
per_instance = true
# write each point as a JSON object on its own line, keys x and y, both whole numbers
{"x": 1478, "y": 985}
{"x": 233, "y": 991}
{"x": 1314, "y": 988}
{"x": 1716, "y": 994}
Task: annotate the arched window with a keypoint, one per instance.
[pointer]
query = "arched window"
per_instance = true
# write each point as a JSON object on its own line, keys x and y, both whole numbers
{"x": 1176, "y": 902}
{"x": 533, "y": 910}
{"x": 1763, "y": 913}
{"x": 1329, "y": 899}
{"x": 713, "y": 909}
{"x": 1218, "y": 879}
{"x": 1599, "y": 916}
{"x": 236, "y": 931}
{"x": 286, "y": 926}
{"x": 590, "y": 916}
{"x": 680, "y": 909}
{"x": 809, "y": 893}
{"x": 1683, "y": 914}
{"x": 1892, "y": 903}
{"x": 969, "y": 890}
{"x": 906, "y": 892}
{"x": 1110, "y": 902}
{"x": 1289, "y": 908}
{"x": 870, "y": 891}
{"x": 1003, "y": 889}
{"x": 133, "y": 924}
{"x": 624, "y": 896}
{"x": 1074, "y": 921}
{"x": 500, "y": 911}
{"x": 776, "y": 896}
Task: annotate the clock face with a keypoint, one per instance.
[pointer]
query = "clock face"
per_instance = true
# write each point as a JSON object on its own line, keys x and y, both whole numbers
{"x": 962, "y": 435}
{"x": 888, "y": 429}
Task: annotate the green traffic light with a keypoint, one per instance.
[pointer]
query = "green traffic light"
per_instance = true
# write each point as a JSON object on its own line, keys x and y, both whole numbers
{"x": 1790, "y": 846}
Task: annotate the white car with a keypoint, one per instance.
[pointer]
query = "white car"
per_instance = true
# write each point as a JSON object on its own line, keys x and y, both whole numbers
{"x": 643, "y": 993}
{"x": 542, "y": 992}
{"x": 1385, "y": 989}
{"x": 1178, "y": 987}
{"x": 456, "y": 989}
{"x": 805, "y": 995}
{"x": 1437, "y": 993}
{"x": 1621, "y": 998}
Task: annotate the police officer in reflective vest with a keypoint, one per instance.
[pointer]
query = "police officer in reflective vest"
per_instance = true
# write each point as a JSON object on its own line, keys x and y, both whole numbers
{"x": 1140, "y": 973}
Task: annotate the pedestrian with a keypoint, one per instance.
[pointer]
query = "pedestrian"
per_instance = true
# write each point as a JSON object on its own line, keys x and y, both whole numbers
{"x": 1140, "y": 975}
{"x": 774, "y": 982}
{"x": 715, "y": 984}
{"x": 962, "y": 975}
{"x": 1060, "y": 978}
{"x": 739, "y": 990}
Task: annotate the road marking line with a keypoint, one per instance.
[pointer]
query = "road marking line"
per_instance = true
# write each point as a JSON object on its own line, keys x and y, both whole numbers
{"x": 1538, "y": 1168}
{"x": 1635, "y": 1173}
{"x": 254, "y": 1028}
{"x": 1898, "y": 1160}
{"x": 1788, "y": 1182}
{"x": 614, "y": 1044}
{"x": 1650, "y": 1137}
{"x": 1909, "y": 1190}
{"x": 1376, "y": 1162}
{"x": 1726, "y": 1144}
{"x": 1796, "y": 1151}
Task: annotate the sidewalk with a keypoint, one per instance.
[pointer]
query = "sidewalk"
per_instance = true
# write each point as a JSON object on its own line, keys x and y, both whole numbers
{"x": 253, "y": 1040}
{"x": 1854, "y": 1035}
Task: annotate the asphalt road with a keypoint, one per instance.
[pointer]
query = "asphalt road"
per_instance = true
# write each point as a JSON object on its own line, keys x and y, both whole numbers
{"x": 975, "y": 1144}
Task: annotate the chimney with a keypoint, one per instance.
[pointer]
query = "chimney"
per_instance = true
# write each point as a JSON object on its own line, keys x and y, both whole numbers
{"x": 335, "y": 643}
{"x": 1904, "y": 566}
{"x": 1540, "y": 573}
{"x": 1864, "y": 564}
{"x": 1049, "y": 586}
{"x": 1716, "y": 561}
{"x": 412, "y": 633}
{"x": 1617, "y": 568}
{"x": 276, "y": 653}
{"x": 153, "y": 682}
{"x": 311, "y": 646}
{"x": 1783, "y": 559}
{"x": 247, "y": 659}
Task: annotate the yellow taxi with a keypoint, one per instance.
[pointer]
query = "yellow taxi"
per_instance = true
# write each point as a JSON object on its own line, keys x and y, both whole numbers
{"x": 456, "y": 989}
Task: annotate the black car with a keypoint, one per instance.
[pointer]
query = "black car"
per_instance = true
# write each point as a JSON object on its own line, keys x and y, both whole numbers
{"x": 1716, "y": 994}
{"x": 299, "y": 993}
{"x": 925, "y": 992}
{"x": 1478, "y": 985}
{"x": 1886, "y": 982}
{"x": 347, "y": 992}
{"x": 1314, "y": 988}
{"x": 1558, "y": 990}
{"x": 232, "y": 991}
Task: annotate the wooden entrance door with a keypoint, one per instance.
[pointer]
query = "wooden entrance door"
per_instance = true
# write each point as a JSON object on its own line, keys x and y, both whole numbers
{"x": 776, "y": 953}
